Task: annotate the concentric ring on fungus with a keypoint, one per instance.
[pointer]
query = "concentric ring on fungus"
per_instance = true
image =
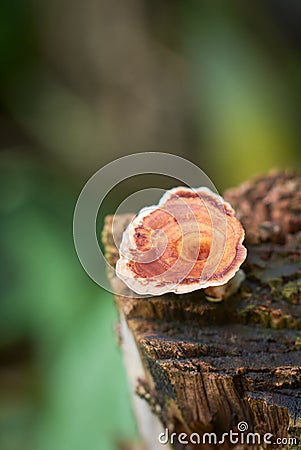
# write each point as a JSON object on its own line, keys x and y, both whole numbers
{"x": 191, "y": 240}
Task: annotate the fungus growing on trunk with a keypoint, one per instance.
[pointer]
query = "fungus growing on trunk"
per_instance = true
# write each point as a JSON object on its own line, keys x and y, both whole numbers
{"x": 191, "y": 240}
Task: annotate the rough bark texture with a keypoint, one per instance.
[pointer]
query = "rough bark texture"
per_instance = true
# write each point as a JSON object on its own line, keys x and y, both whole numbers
{"x": 209, "y": 366}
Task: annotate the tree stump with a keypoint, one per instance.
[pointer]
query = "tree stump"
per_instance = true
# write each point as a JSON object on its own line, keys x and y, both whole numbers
{"x": 202, "y": 367}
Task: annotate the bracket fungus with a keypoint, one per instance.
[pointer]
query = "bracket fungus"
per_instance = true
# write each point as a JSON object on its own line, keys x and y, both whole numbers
{"x": 191, "y": 240}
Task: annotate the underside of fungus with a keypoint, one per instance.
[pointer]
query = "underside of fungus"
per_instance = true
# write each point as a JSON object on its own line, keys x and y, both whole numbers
{"x": 191, "y": 240}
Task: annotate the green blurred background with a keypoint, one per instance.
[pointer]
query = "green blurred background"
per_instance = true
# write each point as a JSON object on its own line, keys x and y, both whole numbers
{"x": 83, "y": 82}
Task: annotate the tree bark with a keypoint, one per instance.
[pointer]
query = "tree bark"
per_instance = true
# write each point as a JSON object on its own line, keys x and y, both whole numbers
{"x": 202, "y": 367}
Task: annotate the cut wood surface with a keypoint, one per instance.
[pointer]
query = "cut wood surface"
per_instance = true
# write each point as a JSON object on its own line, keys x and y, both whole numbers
{"x": 205, "y": 367}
